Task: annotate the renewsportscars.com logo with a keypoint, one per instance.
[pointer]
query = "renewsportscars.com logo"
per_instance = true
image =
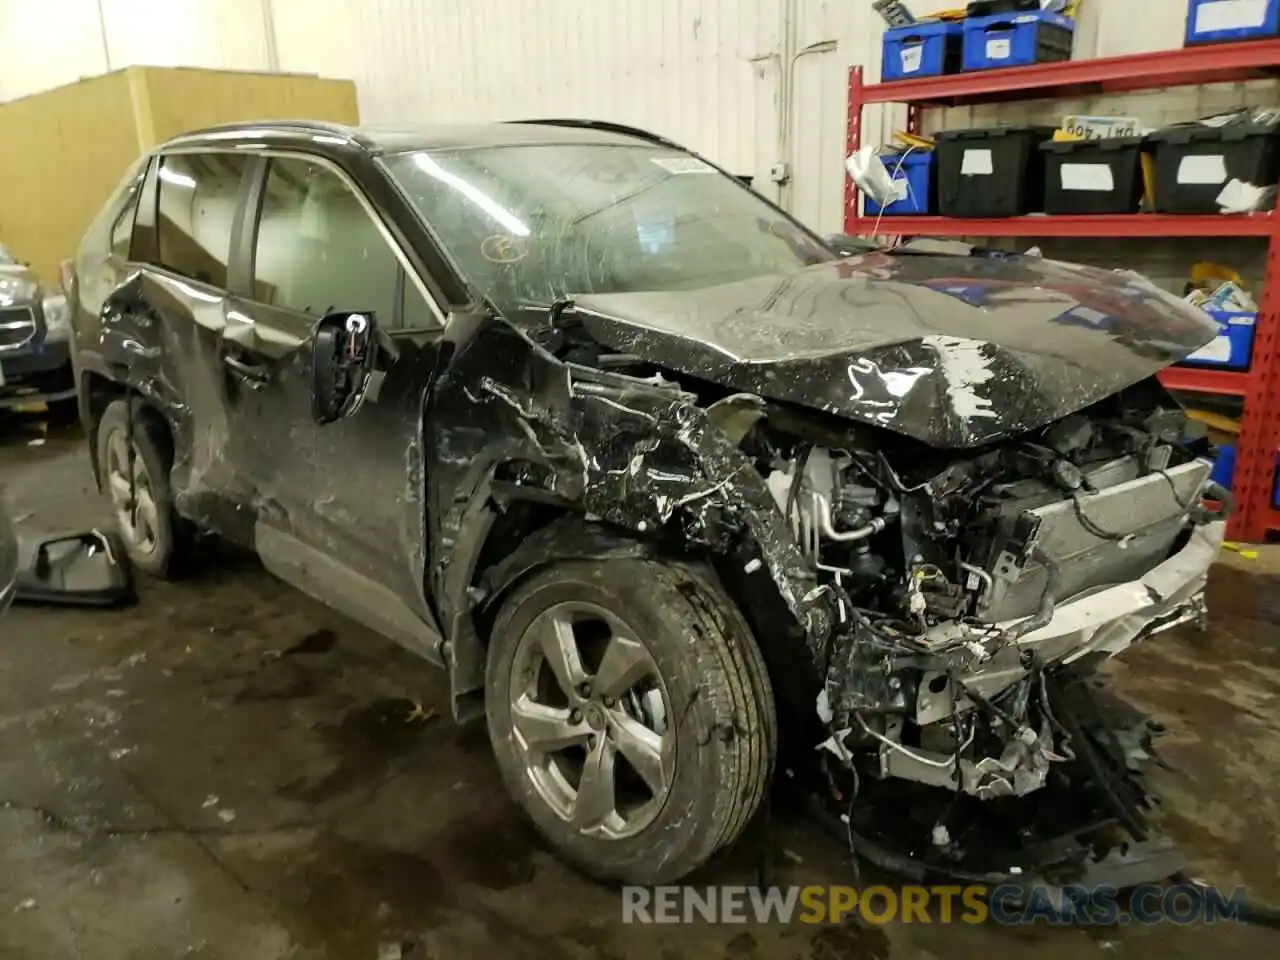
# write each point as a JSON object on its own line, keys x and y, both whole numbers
{"x": 1007, "y": 905}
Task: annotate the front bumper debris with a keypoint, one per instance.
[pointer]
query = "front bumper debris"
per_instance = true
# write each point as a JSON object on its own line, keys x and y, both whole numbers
{"x": 1104, "y": 622}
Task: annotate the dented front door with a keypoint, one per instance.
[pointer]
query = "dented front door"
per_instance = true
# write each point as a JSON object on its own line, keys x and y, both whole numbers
{"x": 340, "y": 506}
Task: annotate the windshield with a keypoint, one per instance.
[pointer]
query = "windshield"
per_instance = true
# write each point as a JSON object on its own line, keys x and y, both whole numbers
{"x": 6, "y": 258}
{"x": 529, "y": 225}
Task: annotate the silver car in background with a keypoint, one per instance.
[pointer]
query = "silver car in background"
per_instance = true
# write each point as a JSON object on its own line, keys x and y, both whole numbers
{"x": 35, "y": 338}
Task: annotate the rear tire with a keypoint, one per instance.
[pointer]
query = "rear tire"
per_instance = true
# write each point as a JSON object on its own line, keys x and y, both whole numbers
{"x": 680, "y": 723}
{"x": 153, "y": 535}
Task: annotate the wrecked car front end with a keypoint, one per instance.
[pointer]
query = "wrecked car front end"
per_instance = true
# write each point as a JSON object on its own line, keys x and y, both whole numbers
{"x": 954, "y": 483}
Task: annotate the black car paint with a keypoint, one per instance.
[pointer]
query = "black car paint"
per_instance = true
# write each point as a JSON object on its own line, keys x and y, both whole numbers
{"x": 479, "y": 414}
{"x": 953, "y": 352}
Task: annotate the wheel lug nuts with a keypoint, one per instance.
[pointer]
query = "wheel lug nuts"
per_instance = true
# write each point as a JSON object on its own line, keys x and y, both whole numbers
{"x": 609, "y": 702}
{"x": 575, "y": 716}
{"x": 584, "y": 690}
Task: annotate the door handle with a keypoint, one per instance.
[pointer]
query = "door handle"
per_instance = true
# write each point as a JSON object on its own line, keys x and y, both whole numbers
{"x": 251, "y": 372}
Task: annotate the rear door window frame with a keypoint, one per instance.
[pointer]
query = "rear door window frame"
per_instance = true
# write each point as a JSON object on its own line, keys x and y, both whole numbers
{"x": 145, "y": 246}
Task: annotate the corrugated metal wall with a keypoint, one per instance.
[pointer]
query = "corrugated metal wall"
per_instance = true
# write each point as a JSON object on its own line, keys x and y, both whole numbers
{"x": 706, "y": 72}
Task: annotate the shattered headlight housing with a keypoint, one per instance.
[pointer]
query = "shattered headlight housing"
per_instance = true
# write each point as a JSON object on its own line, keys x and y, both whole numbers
{"x": 57, "y": 317}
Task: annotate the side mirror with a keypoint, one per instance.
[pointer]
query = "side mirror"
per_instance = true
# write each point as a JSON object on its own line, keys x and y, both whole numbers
{"x": 344, "y": 350}
{"x": 88, "y": 569}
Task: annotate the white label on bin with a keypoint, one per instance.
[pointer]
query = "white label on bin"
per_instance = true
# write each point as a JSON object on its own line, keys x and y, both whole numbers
{"x": 977, "y": 163}
{"x": 1090, "y": 177}
{"x": 999, "y": 48}
{"x": 1203, "y": 171}
{"x": 912, "y": 58}
{"x": 1217, "y": 350}
{"x": 1230, "y": 15}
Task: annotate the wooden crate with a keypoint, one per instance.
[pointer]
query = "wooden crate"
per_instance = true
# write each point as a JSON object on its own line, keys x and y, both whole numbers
{"x": 67, "y": 148}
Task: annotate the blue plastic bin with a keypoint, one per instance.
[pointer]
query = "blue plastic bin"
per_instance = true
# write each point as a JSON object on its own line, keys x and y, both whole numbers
{"x": 922, "y": 50}
{"x": 916, "y": 169}
{"x": 1222, "y": 21}
{"x": 1232, "y": 349}
{"x": 1276, "y": 499}
{"x": 1224, "y": 468}
{"x": 1017, "y": 40}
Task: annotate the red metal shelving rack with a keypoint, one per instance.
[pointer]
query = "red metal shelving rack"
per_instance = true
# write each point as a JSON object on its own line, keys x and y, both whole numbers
{"x": 1259, "y": 443}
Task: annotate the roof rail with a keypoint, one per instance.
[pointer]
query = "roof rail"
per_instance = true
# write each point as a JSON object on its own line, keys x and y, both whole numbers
{"x": 606, "y": 126}
{"x": 319, "y": 126}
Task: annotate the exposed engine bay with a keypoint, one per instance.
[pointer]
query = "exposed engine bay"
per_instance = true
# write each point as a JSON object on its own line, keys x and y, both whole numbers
{"x": 973, "y": 583}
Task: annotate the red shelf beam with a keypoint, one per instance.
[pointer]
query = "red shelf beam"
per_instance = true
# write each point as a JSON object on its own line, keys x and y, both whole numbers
{"x": 1221, "y": 382}
{"x": 1167, "y": 68}
{"x": 1272, "y": 521}
{"x": 1136, "y": 225}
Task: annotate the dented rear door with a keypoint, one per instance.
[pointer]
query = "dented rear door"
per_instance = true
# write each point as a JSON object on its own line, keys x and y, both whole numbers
{"x": 163, "y": 323}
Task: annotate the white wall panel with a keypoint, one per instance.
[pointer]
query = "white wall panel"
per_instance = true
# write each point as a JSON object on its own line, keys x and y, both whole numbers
{"x": 694, "y": 70}
{"x": 679, "y": 67}
{"x": 46, "y": 43}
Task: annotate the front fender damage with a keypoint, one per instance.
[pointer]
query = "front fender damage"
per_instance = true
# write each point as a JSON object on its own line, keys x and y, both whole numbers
{"x": 639, "y": 459}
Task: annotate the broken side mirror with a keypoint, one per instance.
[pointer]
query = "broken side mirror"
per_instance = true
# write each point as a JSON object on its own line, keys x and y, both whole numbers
{"x": 344, "y": 353}
{"x": 88, "y": 569}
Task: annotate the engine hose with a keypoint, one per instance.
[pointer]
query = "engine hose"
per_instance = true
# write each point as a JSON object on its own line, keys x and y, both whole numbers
{"x": 1048, "y": 599}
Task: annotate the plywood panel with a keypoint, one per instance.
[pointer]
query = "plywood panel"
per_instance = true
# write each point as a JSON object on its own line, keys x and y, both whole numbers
{"x": 65, "y": 151}
{"x": 180, "y": 100}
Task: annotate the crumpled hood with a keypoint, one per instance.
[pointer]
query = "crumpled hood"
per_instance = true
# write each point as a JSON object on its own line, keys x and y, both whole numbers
{"x": 953, "y": 351}
{"x": 18, "y": 285}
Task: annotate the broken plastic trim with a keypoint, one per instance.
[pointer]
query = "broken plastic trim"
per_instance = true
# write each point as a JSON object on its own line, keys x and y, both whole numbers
{"x": 88, "y": 569}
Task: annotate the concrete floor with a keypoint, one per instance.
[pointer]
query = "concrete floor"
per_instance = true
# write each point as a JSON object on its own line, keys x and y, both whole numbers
{"x": 231, "y": 771}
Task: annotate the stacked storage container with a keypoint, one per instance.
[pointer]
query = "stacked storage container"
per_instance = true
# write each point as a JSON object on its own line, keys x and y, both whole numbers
{"x": 1017, "y": 40}
{"x": 1224, "y": 21}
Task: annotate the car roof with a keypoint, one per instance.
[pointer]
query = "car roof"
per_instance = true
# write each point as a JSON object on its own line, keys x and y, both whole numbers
{"x": 406, "y": 138}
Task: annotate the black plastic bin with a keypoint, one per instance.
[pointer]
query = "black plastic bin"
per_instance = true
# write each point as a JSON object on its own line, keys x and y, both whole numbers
{"x": 1093, "y": 176}
{"x": 996, "y": 172}
{"x": 989, "y": 8}
{"x": 1194, "y": 163}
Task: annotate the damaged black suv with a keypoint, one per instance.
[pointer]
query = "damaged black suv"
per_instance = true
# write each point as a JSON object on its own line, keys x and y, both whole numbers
{"x": 663, "y": 481}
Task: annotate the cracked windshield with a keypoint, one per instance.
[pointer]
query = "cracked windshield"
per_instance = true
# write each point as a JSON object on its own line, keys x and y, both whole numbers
{"x": 532, "y": 224}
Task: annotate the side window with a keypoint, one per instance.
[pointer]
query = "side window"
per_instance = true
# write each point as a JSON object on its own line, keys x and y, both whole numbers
{"x": 318, "y": 250}
{"x": 198, "y": 194}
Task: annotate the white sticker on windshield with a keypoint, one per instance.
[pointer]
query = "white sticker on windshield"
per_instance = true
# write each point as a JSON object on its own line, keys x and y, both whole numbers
{"x": 683, "y": 165}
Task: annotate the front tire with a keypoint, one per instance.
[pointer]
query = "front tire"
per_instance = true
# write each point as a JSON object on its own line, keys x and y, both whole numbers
{"x": 631, "y": 715}
{"x": 134, "y": 465}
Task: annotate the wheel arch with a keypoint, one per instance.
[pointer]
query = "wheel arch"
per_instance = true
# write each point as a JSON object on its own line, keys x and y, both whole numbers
{"x": 564, "y": 532}
{"x": 96, "y": 391}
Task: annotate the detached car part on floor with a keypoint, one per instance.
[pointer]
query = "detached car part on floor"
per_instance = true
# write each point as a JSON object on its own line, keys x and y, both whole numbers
{"x": 666, "y": 483}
